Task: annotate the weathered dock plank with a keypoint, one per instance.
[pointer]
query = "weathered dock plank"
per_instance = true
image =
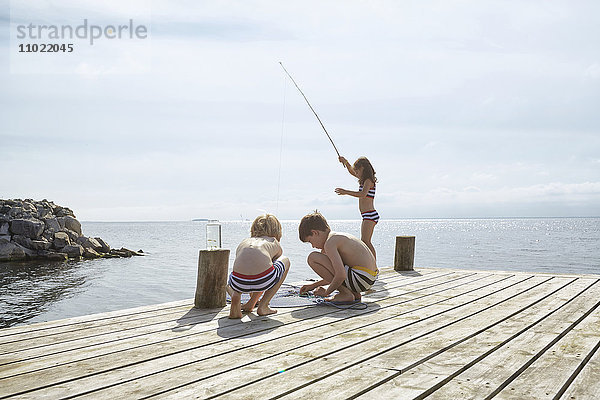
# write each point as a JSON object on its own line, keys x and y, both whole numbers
{"x": 41, "y": 329}
{"x": 545, "y": 375}
{"x": 432, "y": 333}
{"x": 584, "y": 383}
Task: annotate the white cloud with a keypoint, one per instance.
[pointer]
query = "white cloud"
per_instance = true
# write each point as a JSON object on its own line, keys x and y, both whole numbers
{"x": 483, "y": 177}
{"x": 593, "y": 72}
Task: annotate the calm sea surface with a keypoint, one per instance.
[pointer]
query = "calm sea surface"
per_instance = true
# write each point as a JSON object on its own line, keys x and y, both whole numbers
{"x": 34, "y": 293}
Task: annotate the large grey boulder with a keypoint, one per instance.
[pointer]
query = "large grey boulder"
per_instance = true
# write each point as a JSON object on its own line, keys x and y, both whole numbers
{"x": 61, "y": 239}
{"x": 10, "y": 251}
{"x": 123, "y": 252}
{"x": 48, "y": 235}
{"x": 32, "y": 228}
{"x": 53, "y": 256}
{"x": 29, "y": 207}
{"x": 72, "y": 235}
{"x": 40, "y": 245}
{"x": 63, "y": 211}
{"x": 44, "y": 211}
{"x": 89, "y": 243}
{"x": 105, "y": 247}
{"x": 22, "y": 240}
{"x": 73, "y": 250}
{"x": 61, "y": 222}
{"x": 90, "y": 253}
{"x": 72, "y": 224}
{"x": 4, "y": 226}
{"x": 16, "y": 212}
{"x": 52, "y": 223}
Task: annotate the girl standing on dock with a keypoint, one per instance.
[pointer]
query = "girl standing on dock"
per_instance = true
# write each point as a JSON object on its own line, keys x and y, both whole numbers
{"x": 363, "y": 170}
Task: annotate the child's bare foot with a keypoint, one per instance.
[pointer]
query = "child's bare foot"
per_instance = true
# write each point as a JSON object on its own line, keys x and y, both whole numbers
{"x": 235, "y": 312}
{"x": 357, "y": 296}
{"x": 265, "y": 310}
{"x": 345, "y": 297}
{"x": 247, "y": 307}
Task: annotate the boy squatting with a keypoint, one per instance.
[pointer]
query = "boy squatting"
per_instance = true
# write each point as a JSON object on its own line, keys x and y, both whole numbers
{"x": 345, "y": 263}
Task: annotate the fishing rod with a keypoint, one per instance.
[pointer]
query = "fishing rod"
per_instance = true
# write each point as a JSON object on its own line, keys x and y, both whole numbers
{"x": 311, "y": 108}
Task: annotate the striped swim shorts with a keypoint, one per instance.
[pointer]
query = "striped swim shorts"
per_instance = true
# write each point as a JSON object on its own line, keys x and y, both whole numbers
{"x": 370, "y": 215}
{"x": 359, "y": 279}
{"x": 257, "y": 283}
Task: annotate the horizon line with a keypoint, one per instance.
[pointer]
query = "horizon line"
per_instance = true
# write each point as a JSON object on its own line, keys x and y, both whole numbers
{"x": 353, "y": 219}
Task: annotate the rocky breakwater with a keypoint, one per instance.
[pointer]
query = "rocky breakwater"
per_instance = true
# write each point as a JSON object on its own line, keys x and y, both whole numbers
{"x": 42, "y": 230}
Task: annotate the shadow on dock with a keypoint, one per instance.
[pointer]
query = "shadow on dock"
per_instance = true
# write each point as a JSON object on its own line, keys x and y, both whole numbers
{"x": 193, "y": 317}
{"x": 251, "y": 325}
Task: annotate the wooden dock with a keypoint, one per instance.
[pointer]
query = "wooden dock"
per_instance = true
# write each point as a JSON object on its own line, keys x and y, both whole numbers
{"x": 431, "y": 333}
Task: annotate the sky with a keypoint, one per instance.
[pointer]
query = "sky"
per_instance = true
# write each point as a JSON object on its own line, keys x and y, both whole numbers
{"x": 465, "y": 108}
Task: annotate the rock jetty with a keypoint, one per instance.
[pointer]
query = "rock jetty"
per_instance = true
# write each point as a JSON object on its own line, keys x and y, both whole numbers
{"x": 42, "y": 230}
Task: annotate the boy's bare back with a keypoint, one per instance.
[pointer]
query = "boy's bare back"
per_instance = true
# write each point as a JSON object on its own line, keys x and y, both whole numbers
{"x": 354, "y": 252}
{"x": 256, "y": 254}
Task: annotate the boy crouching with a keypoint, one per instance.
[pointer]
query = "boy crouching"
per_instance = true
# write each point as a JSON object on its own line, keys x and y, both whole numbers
{"x": 344, "y": 263}
{"x": 259, "y": 267}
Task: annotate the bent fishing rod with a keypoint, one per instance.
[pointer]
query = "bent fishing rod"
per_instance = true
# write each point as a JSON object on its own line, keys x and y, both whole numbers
{"x": 311, "y": 108}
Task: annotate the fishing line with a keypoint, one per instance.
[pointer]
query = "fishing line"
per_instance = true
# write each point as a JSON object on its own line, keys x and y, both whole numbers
{"x": 311, "y": 108}
{"x": 281, "y": 143}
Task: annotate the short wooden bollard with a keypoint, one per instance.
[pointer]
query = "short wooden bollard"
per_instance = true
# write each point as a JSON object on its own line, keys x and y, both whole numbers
{"x": 212, "y": 278}
{"x": 404, "y": 259}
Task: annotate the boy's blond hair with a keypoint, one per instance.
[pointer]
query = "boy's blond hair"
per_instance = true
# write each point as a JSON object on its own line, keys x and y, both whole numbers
{"x": 266, "y": 225}
{"x": 313, "y": 221}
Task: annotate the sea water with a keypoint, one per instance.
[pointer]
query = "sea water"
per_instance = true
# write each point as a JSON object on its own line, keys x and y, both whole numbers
{"x": 41, "y": 292}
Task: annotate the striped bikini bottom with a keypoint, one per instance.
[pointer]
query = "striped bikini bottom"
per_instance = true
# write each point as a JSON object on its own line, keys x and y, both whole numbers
{"x": 359, "y": 279}
{"x": 257, "y": 283}
{"x": 370, "y": 215}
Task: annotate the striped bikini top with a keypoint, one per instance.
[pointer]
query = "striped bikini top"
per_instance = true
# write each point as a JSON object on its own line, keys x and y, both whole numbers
{"x": 371, "y": 193}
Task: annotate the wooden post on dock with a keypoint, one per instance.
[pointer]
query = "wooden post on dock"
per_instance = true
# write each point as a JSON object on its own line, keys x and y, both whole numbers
{"x": 212, "y": 278}
{"x": 404, "y": 259}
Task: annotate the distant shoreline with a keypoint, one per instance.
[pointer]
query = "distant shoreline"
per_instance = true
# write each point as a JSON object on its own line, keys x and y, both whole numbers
{"x": 343, "y": 220}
